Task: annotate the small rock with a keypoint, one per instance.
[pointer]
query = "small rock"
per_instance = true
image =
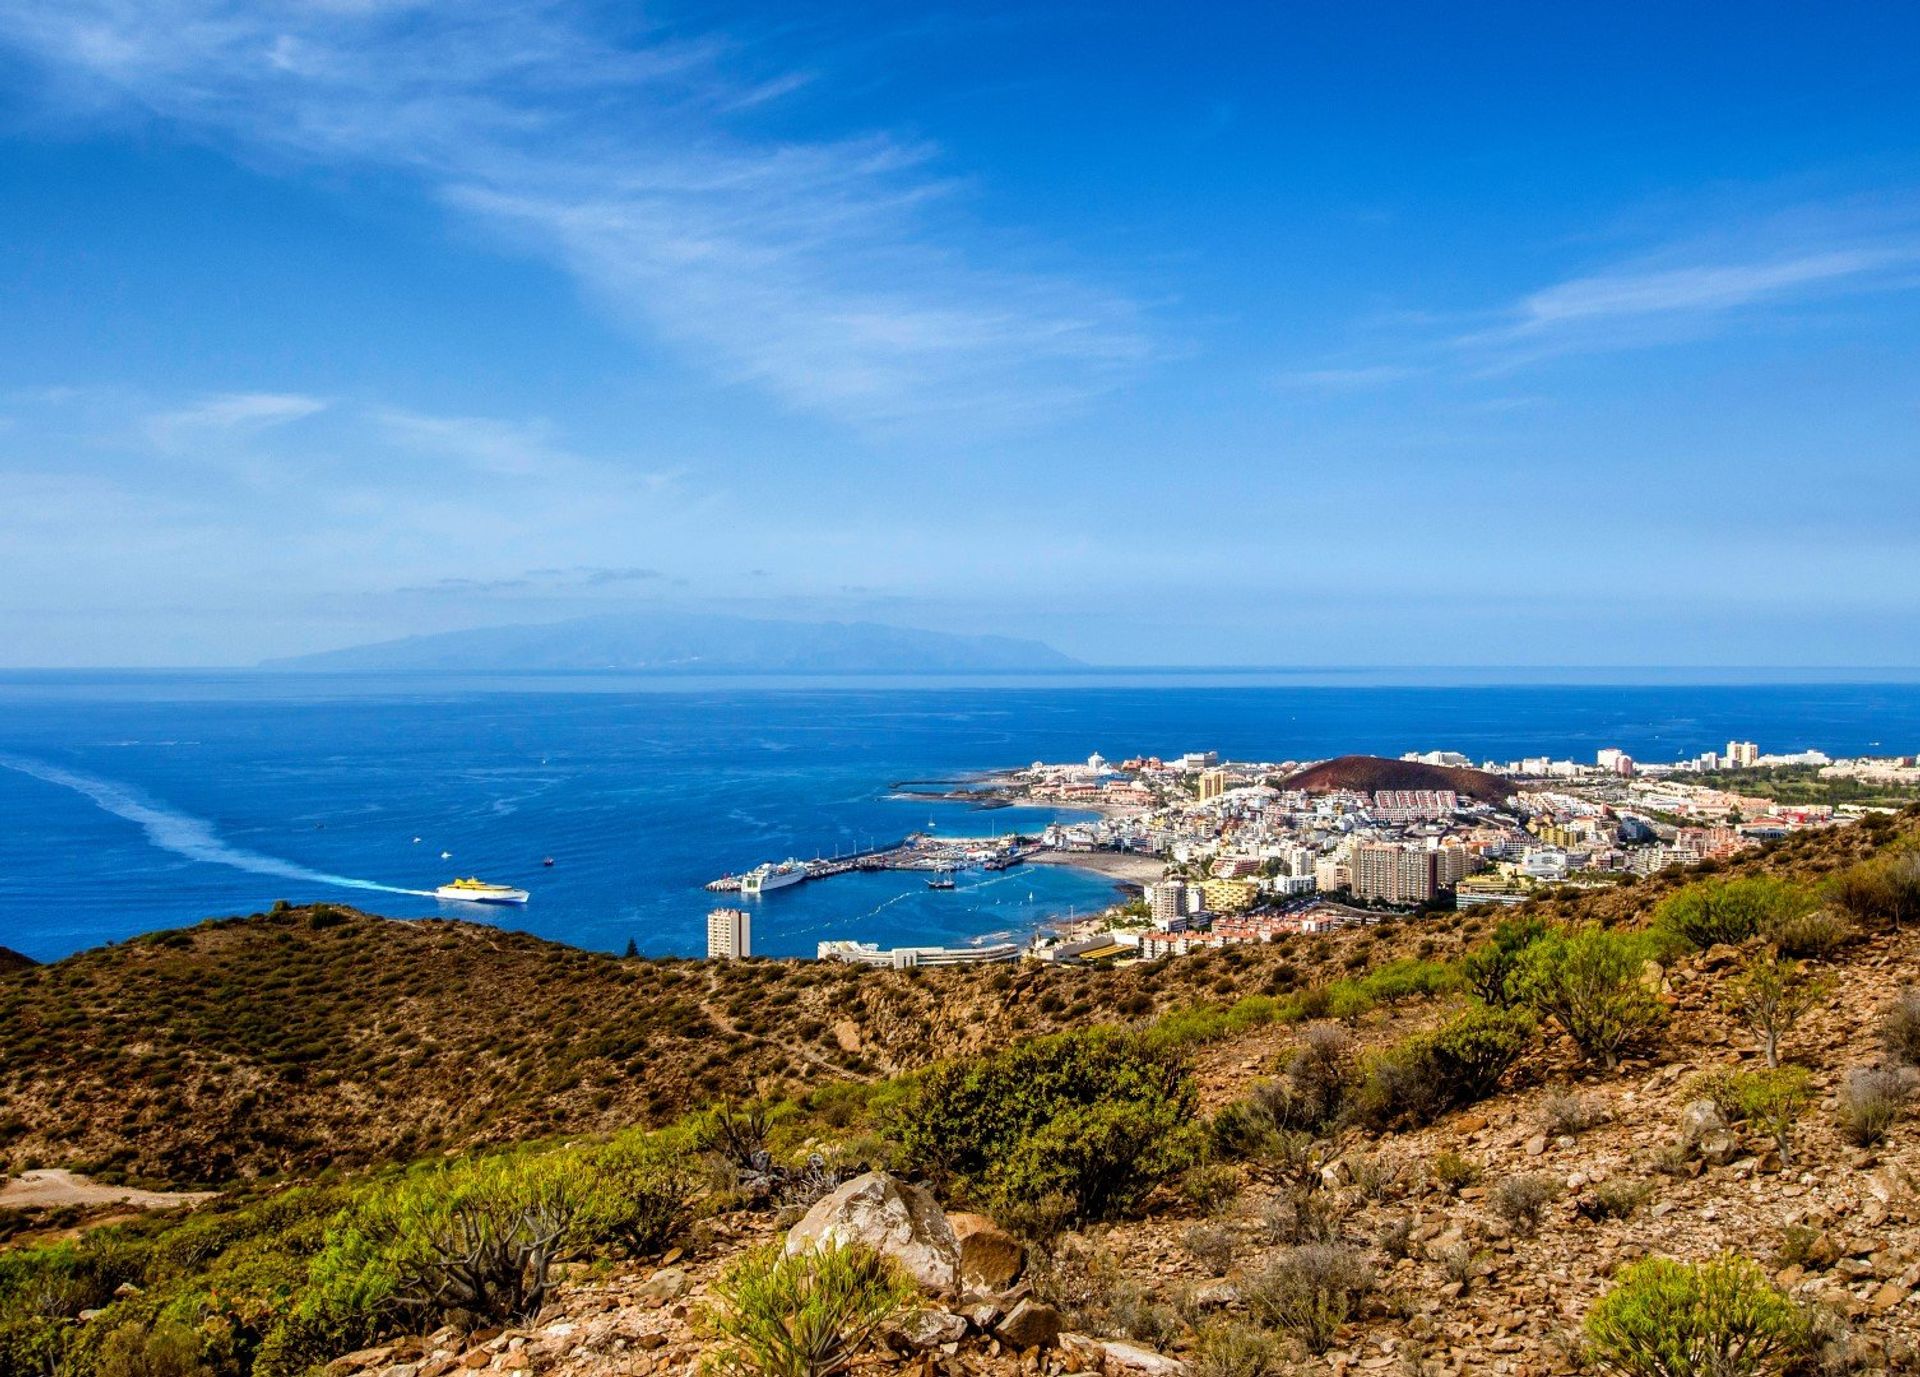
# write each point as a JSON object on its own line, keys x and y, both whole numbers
{"x": 1537, "y": 1145}
{"x": 1124, "y": 1358}
{"x": 924, "y": 1329}
{"x": 667, "y": 1284}
{"x": 353, "y": 1362}
{"x": 991, "y": 1259}
{"x": 1029, "y": 1325}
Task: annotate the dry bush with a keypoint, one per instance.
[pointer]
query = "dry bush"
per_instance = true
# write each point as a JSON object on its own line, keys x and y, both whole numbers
{"x": 1568, "y": 1114}
{"x": 1522, "y": 1200}
{"x": 1871, "y": 1099}
{"x": 1211, "y": 1245}
{"x": 1310, "y": 1291}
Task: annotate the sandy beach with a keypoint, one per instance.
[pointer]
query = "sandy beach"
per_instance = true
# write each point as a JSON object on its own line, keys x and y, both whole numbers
{"x": 1119, "y": 865}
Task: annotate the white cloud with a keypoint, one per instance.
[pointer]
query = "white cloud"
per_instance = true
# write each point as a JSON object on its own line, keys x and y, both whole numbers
{"x": 1345, "y": 379}
{"x": 829, "y": 272}
{"x": 245, "y": 413}
{"x": 1701, "y": 287}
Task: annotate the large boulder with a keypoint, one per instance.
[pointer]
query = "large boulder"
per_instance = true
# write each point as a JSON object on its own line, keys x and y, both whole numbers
{"x": 991, "y": 1259}
{"x": 894, "y": 1218}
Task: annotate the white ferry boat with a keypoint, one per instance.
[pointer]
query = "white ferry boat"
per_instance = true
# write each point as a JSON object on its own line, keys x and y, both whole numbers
{"x": 763, "y": 878}
{"x": 471, "y": 891}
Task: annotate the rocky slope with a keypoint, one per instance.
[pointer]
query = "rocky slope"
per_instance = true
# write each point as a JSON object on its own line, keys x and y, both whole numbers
{"x": 1462, "y": 1287}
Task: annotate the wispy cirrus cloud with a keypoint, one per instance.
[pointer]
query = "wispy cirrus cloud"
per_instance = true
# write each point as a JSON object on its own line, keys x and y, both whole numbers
{"x": 1678, "y": 292}
{"x": 1345, "y": 379}
{"x": 831, "y": 273}
{"x": 230, "y": 413}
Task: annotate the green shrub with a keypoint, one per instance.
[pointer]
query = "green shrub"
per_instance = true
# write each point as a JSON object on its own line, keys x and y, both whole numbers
{"x": 165, "y": 1350}
{"x": 1430, "y": 1074}
{"x": 807, "y": 1315}
{"x": 473, "y": 1242}
{"x": 640, "y": 1188}
{"x": 1452, "y": 1172}
{"x": 1882, "y": 892}
{"x": 1488, "y": 969}
{"x": 1210, "y": 1187}
{"x": 1588, "y": 981}
{"x": 1814, "y": 935}
{"x": 1615, "y": 1199}
{"x": 1236, "y": 1350}
{"x": 1310, "y": 1291}
{"x": 1769, "y": 1100}
{"x": 1096, "y": 1118}
{"x": 1715, "y": 911}
{"x": 1712, "y": 1319}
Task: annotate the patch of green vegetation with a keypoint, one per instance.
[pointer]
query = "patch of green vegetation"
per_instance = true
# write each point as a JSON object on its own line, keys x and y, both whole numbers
{"x": 1078, "y": 1126}
{"x": 1720, "y": 1318}
{"x": 1803, "y": 784}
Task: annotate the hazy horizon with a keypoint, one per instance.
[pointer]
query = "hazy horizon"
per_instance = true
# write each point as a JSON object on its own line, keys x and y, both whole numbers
{"x": 1258, "y": 336}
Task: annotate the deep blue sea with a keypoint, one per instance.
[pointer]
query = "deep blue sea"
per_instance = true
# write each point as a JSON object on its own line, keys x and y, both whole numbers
{"x": 137, "y": 801}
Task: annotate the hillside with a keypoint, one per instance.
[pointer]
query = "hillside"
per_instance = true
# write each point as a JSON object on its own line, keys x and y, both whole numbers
{"x": 11, "y": 960}
{"x": 292, "y": 1040}
{"x": 1455, "y": 1215}
{"x": 684, "y": 642}
{"x": 1367, "y": 774}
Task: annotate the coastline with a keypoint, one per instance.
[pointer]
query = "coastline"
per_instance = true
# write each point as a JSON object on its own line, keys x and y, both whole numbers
{"x": 1124, "y": 866}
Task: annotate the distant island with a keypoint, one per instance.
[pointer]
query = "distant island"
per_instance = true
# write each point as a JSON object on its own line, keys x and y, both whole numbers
{"x": 688, "y": 642}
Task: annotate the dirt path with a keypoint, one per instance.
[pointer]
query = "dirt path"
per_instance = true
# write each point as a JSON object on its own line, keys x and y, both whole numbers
{"x": 52, "y": 1188}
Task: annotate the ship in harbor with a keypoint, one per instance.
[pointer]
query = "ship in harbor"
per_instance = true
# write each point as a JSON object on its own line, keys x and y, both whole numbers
{"x": 475, "y": 891}
{"x": 765, "y": 878}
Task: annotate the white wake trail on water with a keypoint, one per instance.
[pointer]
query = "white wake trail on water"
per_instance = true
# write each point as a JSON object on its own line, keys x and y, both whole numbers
{"x": 182, "y": 833}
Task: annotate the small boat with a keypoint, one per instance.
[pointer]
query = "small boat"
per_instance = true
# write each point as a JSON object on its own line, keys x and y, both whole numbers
{"x": 547, "y": 861}
{"x": 476, "y": 891}
{"x": 944, "y": 880}
{"x": 446, "y": 855}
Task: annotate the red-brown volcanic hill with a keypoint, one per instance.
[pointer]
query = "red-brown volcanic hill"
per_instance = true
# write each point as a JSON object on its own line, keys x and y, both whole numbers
{"x": 1369, "y": 773}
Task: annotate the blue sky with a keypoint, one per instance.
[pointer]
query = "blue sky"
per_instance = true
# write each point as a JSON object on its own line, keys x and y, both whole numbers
{"x": 1269, "y": 334}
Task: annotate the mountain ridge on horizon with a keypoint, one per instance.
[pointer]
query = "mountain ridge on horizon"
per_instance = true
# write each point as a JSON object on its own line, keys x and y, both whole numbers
{"x": 680, "y": 641}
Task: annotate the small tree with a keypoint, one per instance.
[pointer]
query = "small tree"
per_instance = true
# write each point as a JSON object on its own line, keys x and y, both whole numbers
{"x": 1713, "y": 1319}
{"x": 807, "y": 1315}
{"x": 1588, "y": 981}
{"x": 1769, "y": 995}
{"x": 1771, "y": 1100}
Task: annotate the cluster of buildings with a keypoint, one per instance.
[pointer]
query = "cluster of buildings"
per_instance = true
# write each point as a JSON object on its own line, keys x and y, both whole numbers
{"x": 1245, "y": 857}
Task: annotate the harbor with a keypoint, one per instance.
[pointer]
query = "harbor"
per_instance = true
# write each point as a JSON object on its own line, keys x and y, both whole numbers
{"x": 917, "y": 851}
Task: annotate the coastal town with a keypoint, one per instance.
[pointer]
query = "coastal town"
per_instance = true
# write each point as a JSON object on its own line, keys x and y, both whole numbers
{"x": 1211, "y": 852}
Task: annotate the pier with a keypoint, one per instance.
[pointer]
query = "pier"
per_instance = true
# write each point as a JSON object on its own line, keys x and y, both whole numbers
{"x": 916, "y": 852}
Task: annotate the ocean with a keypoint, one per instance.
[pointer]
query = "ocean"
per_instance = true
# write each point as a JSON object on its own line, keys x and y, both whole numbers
{"x": 136, "y": 801}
